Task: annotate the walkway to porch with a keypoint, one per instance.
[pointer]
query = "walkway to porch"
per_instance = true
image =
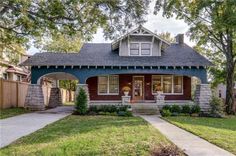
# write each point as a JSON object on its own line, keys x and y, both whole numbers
{"x": 190, "y": 143}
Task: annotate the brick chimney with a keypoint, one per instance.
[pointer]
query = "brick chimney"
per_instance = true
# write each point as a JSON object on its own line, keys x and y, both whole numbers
{"x": 180, "y": 38}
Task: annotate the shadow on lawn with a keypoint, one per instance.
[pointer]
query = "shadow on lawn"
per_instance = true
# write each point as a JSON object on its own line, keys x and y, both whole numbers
{"x": 75, "y": 125}
{"x": 228, "y": 123}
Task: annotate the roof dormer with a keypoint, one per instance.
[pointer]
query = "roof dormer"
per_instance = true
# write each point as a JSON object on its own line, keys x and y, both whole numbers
{"x": 140, "y": 42}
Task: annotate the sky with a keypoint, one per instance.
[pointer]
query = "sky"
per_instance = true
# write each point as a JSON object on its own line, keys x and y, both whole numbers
{"x": 155, "y": 23}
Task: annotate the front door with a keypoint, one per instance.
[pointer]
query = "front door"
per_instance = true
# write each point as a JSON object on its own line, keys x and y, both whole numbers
{"x": 138, "y": 88}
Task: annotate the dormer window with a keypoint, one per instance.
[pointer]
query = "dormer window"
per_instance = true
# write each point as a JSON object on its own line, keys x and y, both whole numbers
{"x": 140, "y": 49}
{"x": 145, "y": 48}
{"x": 134, "y": 49}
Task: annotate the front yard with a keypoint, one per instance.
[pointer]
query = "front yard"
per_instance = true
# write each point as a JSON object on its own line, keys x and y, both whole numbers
{"x": 91, "y": 135}
{"x": 9, "y": 112}
{"x": 221, "y": 132}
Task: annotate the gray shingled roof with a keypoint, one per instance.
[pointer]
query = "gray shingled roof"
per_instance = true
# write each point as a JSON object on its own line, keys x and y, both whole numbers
{"x": 101, "y": 54}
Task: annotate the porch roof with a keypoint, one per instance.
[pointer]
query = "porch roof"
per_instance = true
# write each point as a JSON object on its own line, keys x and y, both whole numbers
{"x": 101, "y": 54}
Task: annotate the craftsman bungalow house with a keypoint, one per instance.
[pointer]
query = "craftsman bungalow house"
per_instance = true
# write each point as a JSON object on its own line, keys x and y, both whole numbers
{"x": 139, "y": 62}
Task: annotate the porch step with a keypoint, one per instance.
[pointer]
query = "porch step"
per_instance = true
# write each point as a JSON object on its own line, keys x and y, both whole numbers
{"x": 145, "y": 108}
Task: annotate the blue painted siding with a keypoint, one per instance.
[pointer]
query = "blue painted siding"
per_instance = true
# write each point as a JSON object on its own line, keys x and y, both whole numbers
{"x": 83, "y": 73}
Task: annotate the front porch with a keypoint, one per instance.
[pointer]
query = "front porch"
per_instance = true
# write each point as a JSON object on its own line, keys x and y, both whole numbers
{"x": 140, "y": 88}
{"x": 104, "y": 84}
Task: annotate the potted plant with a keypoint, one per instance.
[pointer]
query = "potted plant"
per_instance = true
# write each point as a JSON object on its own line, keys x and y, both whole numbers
{"x": 158, "y": 89}
{"x": 126, "y": 90}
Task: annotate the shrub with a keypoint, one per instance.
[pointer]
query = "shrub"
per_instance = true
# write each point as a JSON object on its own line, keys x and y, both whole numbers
{"x": 195, "y": 109}
{"x": 217, "y": 106}
{"x": 128, "y": 113}
{"x": 112, "y": 109}
{"x": 81, "y": 104}
{"x": 121, "y": 113}
{"x": 93, "y": 109}
{"x": 165, "y": 112}
{"x": 122, "y": 108}
{"x": 166, "y": 107}
{"x": 175, "y": 109}
{"x": 166, "y": 151}
{"x": 186, "y": 109}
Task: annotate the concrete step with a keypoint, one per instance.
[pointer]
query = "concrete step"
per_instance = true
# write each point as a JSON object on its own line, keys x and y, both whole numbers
{"x": 145, "y": 108}
{"x": 146, "y": 111}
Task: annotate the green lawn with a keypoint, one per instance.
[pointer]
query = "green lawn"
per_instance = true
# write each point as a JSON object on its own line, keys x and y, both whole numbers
{"x": 90, "y": 135}
{"x": 221, "y": 132}
{"x": 69, "y": 103}
{"x": 9, "y": 112}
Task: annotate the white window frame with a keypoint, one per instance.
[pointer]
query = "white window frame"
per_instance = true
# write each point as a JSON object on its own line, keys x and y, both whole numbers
{"x": 140, "y": 48}
{"x": 172, "y": 79}
{"x": 108, "y": 85}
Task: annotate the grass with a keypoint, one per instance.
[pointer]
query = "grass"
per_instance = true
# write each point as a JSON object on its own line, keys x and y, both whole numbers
{"x": 91, "y": 135}
{"x": 9, "y": 112}
{"x": 219, "y": 131}
{"x": 69, "y": 103}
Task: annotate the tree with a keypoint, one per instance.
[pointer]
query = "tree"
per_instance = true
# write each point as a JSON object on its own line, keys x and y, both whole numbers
{"x": 69, "y": 85}
{"x": 81, "y": 102}
{"x": 213, "y": 25}
{"x": 167, "y": 36}
{"x": 217, "y": 73}
{"x": 12, "y": 52}
{"x": 24, "y": 20}
{"x": 63, "y": 43}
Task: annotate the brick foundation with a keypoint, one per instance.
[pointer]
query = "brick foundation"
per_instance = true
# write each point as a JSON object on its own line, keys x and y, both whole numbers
{"x": 34, "y": 99}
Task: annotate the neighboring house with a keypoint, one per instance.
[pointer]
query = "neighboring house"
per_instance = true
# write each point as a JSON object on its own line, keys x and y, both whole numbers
{"x": 139, "y": 60}
{"x": 221, "y": 90}
{"x": 9, "y": 71}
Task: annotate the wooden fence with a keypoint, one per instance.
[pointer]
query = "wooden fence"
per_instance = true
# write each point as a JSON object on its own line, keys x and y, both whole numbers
{"x": 13, "y": 94}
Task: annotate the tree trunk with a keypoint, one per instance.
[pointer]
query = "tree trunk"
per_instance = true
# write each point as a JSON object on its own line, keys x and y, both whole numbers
{"x": 230, "y": 87}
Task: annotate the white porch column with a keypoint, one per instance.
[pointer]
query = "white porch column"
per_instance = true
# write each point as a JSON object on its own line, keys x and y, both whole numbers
{"x": 34, "y": 99}
{"x": 203, "y": 96}
{"x": 85, "y": 87}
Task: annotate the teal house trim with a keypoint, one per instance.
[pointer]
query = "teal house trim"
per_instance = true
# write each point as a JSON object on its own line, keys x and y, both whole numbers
{"x": 82, "y": 73}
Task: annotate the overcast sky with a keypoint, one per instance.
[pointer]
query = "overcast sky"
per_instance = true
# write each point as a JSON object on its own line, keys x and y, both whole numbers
{"x": 155, "y": 23}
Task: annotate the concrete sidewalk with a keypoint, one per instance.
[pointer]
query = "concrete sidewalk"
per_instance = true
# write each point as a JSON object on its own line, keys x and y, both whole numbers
{"x": 16, "y": 127}
{"x": 191, "y": 144}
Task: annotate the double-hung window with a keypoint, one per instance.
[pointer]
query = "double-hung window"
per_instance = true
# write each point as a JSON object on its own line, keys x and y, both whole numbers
{"x": 108, "y": 84}
{"x": 168, "y": 84}
{"x": 178, "y": 84}
{"x": 146, "y": 49}
{"x": 140, "y": 49}
{"x": 134, "y": 49}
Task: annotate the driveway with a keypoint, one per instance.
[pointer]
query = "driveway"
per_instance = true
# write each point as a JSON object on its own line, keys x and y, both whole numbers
{"x": 16, "y": 127}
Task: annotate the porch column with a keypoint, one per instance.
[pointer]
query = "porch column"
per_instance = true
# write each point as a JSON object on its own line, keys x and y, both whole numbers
{"x": 85, "y": 87}
{"x": 34, "y": 99}
{"x": 203, "y": 96}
